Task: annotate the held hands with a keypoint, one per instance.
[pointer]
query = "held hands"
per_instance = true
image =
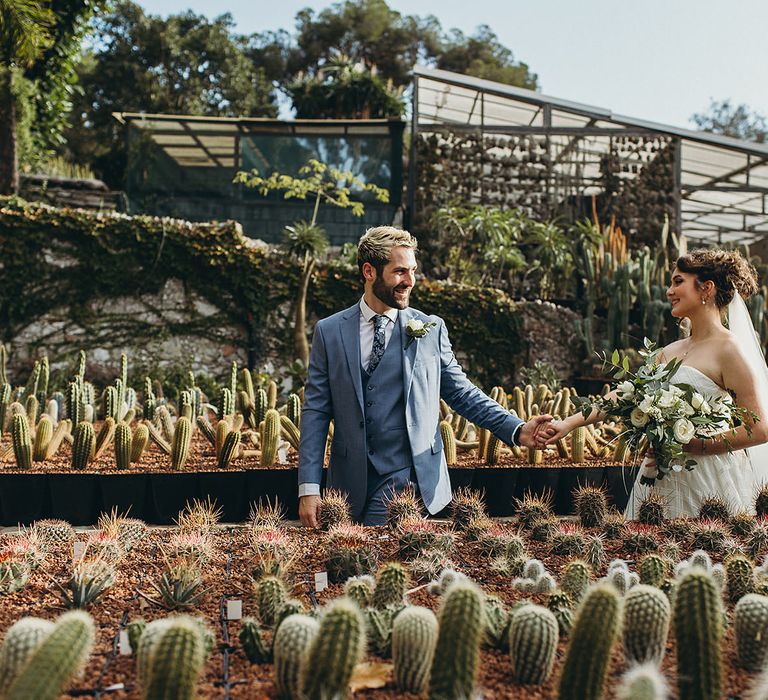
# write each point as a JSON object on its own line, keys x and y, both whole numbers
{"x": 554, "y": 431}
{"x": 308, "y": 509}
{"x": 533, "y": 434}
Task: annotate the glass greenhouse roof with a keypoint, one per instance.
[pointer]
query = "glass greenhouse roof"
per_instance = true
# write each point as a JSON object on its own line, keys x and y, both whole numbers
{"x": 721, "y": 182}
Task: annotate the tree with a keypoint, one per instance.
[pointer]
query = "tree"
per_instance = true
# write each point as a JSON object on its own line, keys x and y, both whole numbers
{"x": 483, "y": 56}
{"x": 306, "y": 240}
{"x": 185, "y": 64}
{"x": 739, "y": 122}
{"x": 24, "y": 36}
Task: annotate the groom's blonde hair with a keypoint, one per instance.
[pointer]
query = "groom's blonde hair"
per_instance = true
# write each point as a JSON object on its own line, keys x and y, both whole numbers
{"x": 376, "y": 244}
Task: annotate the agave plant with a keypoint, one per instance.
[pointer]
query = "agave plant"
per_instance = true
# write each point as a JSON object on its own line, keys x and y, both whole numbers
{"x": 90, "y": 578}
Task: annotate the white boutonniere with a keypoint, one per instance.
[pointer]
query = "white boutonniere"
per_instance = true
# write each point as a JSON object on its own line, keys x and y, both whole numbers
{"x": 416, "y": 329}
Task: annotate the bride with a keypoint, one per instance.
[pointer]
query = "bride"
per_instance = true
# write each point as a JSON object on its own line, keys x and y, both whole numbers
{"x": 716, "y": 361}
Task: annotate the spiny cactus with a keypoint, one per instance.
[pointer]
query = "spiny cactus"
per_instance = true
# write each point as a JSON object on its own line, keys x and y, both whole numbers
{"x": 699, "y": 632}
{"x": 533, "y": 635}
{"x": 561, "y": 605}
{"x": 454, "y": 667}
{"x": 378, "y": 626}
{"x": 252, "y": 642}
{"x": 653, "y": 569}
{"x": 614, "y": 525}
{"x": 89, "y": 579}
{"x": 739, "y": 577}
{"x": 391, "y": 584}
{"x": 750, "y": 616}
{"x": 591, "y": 505}
{"x": 174, "y": 659}
{"x": 84, "y": 445}
{"x": 270, "y": 596}
{"x": 575, "y": 579}
{"x": 532, "y": 508}
{"x": 414, "y": 638}
{"x": 336, "y": 649}
{"x": 334, "y": 509}
{"x": 123, "y": 445}
{"x": 417, "y": 537}
{"x": 52, "y": 531}
{"x": 714, "y": 508}
{"x": 22, "y": 442}
{"x": 292, "y": 639}
{"x": 594, "y": 632}
{"x": 644, "y": 682}
{"x": 56, "y": 660}
{"x": 742, "y": 523}
{"x": 180, "y": 586}
{"x": 360, "y": 589}
{"x": 568, "y": 540}
{"x": 449, "y": 442}
{"x": 139, "y": 442}
{"x": 647, "y": 615}
{"x": 270, "y": 438}
{"x": 652, "y": 508}
{"x": 43, "y": 435}
{"x": 182, "y": 436}
{"x": 230, "y": 448}
{"x": 466, "y": 505}
{"x": 496, "y": 624}
{"x": 21, "y": 641}
{"x": 710, "y": 535}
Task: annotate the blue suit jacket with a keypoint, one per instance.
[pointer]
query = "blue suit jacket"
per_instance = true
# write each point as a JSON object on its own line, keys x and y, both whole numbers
{"x": 334, "y": 390}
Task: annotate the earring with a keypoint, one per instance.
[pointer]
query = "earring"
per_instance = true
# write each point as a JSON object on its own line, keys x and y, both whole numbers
{"x": 703, "y": 301}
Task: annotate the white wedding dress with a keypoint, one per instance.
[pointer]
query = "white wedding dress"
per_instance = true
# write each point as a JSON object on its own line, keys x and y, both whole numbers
{"x": 730, "y": 475}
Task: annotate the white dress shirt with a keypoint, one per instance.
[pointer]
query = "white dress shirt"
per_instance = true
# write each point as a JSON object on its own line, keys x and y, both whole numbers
{"x": 367, "y": 330}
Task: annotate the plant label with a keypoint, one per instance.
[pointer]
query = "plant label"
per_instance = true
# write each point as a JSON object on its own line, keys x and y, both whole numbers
{"x": 115, "y": 686}
{"x": 234, "y": 609}
{"x": 321, "y": 581}
{"x": 282, "y": 457}
{"x": 124, "y": 643}
{"x": 78, "y": 549}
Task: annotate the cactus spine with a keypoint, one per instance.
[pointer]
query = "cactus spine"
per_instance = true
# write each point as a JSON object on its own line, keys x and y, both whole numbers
{"x": 292, "y": 640}
{"x": 60, "y": 656}
{"x": 414, "y": 638}
{"x": 454, "y": 667}
{"x": 335, "y": 651}
{"x": 84, "y": 444}
{"x": 594, "y": 632}
{"x": 644, "y": 682}
{"x": 751, "y": 623}
{"x": 533, "y": 635}
{"x": 270, "y": 438}
{"x": 123, "y": 445}
{"x": 22, "y": 443}
{"x": 182, "y": 436}
{"x": 699, "y": 632}
{"x": 647, "y": 614}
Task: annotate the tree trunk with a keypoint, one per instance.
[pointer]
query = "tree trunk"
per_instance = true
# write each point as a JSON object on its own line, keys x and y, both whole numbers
{"x": 9, "y": 165}
{"x": 300, "y": 344}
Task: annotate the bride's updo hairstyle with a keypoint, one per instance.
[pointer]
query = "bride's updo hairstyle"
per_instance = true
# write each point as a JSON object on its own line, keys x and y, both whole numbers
{"x": 727, "y": 269}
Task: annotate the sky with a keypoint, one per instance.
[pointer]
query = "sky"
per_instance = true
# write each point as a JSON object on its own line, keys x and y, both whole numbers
{"x": 661, "y": 60}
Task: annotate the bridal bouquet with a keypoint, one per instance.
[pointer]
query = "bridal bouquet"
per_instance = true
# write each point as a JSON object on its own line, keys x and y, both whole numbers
{"x": 660, "y": 414}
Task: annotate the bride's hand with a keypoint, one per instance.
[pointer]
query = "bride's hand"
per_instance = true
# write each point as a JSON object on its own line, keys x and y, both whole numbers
{"x": 554, "y": 431}
{"x": 649, "y": 458}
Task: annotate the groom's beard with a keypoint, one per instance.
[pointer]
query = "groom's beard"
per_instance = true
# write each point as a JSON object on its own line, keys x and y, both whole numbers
{"x": 386, "y": 294}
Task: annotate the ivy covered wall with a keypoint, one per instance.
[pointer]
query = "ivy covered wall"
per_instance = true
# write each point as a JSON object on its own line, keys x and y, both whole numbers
{"x": 183, "y": 296}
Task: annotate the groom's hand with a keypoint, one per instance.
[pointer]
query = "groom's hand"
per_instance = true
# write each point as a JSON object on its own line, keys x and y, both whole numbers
{"x": 308, "y": 508}
{"x": 532, "y": 433}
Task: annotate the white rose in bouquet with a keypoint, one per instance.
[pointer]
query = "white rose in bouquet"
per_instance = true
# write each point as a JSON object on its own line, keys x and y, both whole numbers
{"x": 638, "y": 417}
{"x": 625, "y": 389}
{"x": 683, "y": 430}
{"x": 686, "y": 408}
{"x": 696, "y": 400}
{"x": 646, "y": 404}
{"x": 667, "y": 399}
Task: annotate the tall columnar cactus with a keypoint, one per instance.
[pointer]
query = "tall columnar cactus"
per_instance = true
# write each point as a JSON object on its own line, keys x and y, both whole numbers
{"x": 84, "y": 445}
{"x": 391, "y": 582}
{"x": 335, "y": 651}
{"x": 414, "y": 638}
{"x": 174, "y": 659}
{"x": 226, "y": 403}
{"x": 43, "y": 435}
{"x": 449, "y": 442}
{"x": 22, "y": 443}
{"x": 139, "y": 442}
{"x": 647, "y": 614}
{"x": 111, "y": 407}
{"x": 533, "y": 635}
{"x": 739, "y": 577}
{"x": 31, "y": 406}
{"x": 252, "y": 642}
{"x": 21, "y": 641}
{"x": 751, "y": 624}
{"x": 75, "y": 410}
{"x": 5, "y": 402}
{"x": 592, "y": 637}
{"x": 578, "y": 437}
{"x": 271, "y": 438}
{"x": 699, "y": 632}
{"x": 123, "y": 445}
{"x": 292, "y": 641}
{"x": 261, "y": 406}
{"x": 293, "y": 409}
{"x": 61, "y": 655}
{"x": 182, "y": 437}
{"x": 461, "y": 619}
{"x": 230, "y": 448}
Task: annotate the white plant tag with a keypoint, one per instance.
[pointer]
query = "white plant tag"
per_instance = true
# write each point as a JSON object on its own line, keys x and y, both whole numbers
{"x": 124, "y": 644}
{"x": 282, "y": 457}
{"x": 234, "y": 609}
{"x": 113, "y": 687}
{"x": 78, "y": 549}
{"x": 321, "y": 581}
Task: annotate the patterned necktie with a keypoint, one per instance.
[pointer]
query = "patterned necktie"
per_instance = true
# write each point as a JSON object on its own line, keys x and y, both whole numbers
{"x": 377, "y": 351}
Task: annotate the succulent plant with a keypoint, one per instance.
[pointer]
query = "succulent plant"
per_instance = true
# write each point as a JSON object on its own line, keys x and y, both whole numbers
{"x": 640, "y": 539}
{"x": 22, "y": 442}
{"x": 647, "y": 616}
{"x": 710, "y": 535}
{"x": 416, "y": 537}
{"x": 591, "y": 505}
{"x": 292, "y": 640}
{"x": 568, "y": 540}
{"x": 334, "y": 509}
{"x": 714, "y": 508}
{"x": 391, "y": 584}
{"x": 575, "y": 579}
{"x": 52, "y": 531}
{"x": 348, "y": 553}
{"x": 270, "y": 596}
{"x": 466, "y": 505}
{"x": 84, "y": 445}
{"x": 613, "y": 526}
{"x": 653, "y": 569}
{"x": 757, "y": 540}
{"x": 402, "y": 506}
{"x": 532, "y": 508}
{"x": 533, "y": 635}
{"x": 270, "y": 438}
{"x": 643, "y": 682}
{"x": 561, "y": 606}
{"x": 750, "y": 616}
{"x": 89, "y": 579}
{"x": 742, "y": 523}
{"x": 360, "y": 589}
{"x": 266, "y": 514}
{"x": 652, "y": 509}
{"x": 414, "y": 639}
{"x": 496, "y": 624}
{"x": 21, "y": 641}
{"x": 761, "y": 501}
{"x": 139, "y": 442}
{"x": 476, "y": 528}
{"x": 252, "y": 642}
{"x": 181, "y": 585}
{"x": 739, "y": 577}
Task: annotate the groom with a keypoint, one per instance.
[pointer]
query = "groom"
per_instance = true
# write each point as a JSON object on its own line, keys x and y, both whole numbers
{"x": 378, "y": 370}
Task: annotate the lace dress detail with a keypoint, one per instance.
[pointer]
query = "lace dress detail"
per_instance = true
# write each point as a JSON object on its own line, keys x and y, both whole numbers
{"x": 730, "y": 475}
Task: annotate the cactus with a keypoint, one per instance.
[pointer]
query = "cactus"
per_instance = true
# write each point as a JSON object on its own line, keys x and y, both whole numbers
{"x": 647, "y": 614}
{"x": 467, "y": 505}
{"x": 334, "y": 652}
{"x": 182, "y": 436}
{"x": 226, "y": 402}
{"x": 292, "y": 639}
{"x": 653, "y": 569}
{"x": 449, "y": 442}
{"x": 43, "y": 435}
{"x": 334, "y": 509}
{"x": 31, "y": 406}
{"x": 75, "y": 411}
{"x": 53, "y": 532}
{"x": 533, "y": 635}
{"x": 5, "y": 402}
{"x": 414, "y": 638}
{"x": 575, "y": 579}
{"x": 174, "y": 659}
{"x": 229, "y": 448}
{"x": 89, "y": 579}
{"x": 105, "y": 436}
{"x": 644, "y": 682}
{"x": 592, "y": 637}
{"x": 378, "y": 626}
{"x": 751, "y": 624}
{"x": 560, "y": 603}
{"x": 270, "y": 596}
{"x": 261, "y": 405}
{"x": 739, "y": 577}
{"x": 454, "y": 667}
{"x": 714, "y": 508}
{"x": 699, "y": 632}
{"x": 21, "y": 641}
{"x": 391, "y": 583}
{"x": 139, "y": 442}
{"x": 22, "y": 443}
{"x": 59, "y": 657}
{"x": 84, "y": 444}
{"x": 271, "y": 438}
{"x": 591, "y": 505}
{"x": 402, "y": 506}
{"x": 251, "y": 641}
{"x": 360, "y": 589}
{"x": 652, "y": 508}
{"x": 578, "y": 437}
{"x": 123, "y": 445}
{"x": 293, "y": 409}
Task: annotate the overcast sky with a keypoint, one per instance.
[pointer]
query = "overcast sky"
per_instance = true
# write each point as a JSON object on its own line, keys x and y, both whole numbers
{"x": 660, "y": 60}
